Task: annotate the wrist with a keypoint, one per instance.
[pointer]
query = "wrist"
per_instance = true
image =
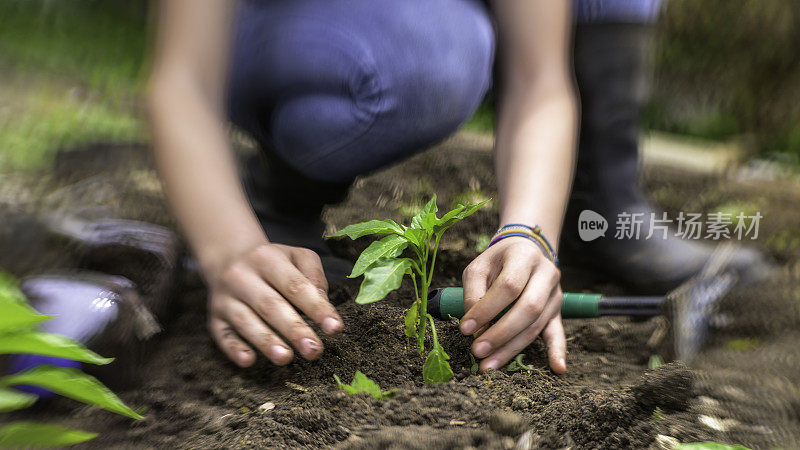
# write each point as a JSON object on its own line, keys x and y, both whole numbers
{"x": 532, "y": 233}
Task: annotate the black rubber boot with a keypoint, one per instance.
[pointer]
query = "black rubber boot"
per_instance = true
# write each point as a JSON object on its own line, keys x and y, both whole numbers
{"x": 289, "y": 207}
{"x": 609, "y": 66}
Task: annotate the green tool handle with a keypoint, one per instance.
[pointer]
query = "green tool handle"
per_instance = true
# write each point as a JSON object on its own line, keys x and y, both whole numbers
{"x": 451, "y": 304}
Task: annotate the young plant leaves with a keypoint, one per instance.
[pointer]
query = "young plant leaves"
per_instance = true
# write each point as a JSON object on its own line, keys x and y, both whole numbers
{"x": 411, "y": 319}
{"x": 382, "y": 277}
{"x": 71, "y": 383}
{"x": 517, "y": 365}
{"x": 32, "y": 434}
{"x": 357, "y": 230}
{"x": 11, "y": 400}
{"x": 388, "y": 247}
{"x": 426, "y": 218}
{"x": 459, "y": 213}
{"x": 363, "y": 385}
{"x": 436, "y": 368}
{"x": 41, "y": 343}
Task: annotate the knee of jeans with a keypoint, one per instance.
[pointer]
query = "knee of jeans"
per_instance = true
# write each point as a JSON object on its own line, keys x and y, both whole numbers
{"x": 439, "y": 88}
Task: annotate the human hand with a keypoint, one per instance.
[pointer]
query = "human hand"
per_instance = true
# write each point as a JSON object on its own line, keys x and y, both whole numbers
{"x": 513, "y": 269}
{"x": 252, "y": 303}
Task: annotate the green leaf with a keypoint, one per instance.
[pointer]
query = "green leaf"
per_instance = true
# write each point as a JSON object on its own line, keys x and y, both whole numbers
{"x": 11, "y": 400}
{"x": 425, "y": 219}
{"x": 15, "y": 315}
{"x": 382, "y": 277}
{"x": 363, "y": 385}
{"x": 475, "y": 367}
{"x": 32, "y": 434}
{"x": 436, "y": 368}
{"x": 71, "y": 383}
{"x": 357, "y": 230}
{"x": 14, "y": 309}
{"x": 516, "y": 365}
{"x": 387, "y": 247}
{"x": 709, "y": 445}
{"x": 655, "y": 362}
{"x": 41, "y": 343}
{"x": 411, "y": 320}
{"x": 418, "y": 237}
{"x": 459, "y": 213}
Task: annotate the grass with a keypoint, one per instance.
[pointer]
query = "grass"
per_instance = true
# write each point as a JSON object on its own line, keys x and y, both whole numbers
{"x": 71, "y": 75}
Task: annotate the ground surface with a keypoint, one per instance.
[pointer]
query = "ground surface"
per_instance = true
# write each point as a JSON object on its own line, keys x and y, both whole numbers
{"x": 742, "y": 389}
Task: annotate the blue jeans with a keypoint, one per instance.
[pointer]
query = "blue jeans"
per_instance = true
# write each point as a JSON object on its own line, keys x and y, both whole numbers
{"x": 338, "y": 88}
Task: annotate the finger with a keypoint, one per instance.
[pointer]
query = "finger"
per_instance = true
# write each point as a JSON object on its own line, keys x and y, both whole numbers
{"x": 476, "y": 281}
{"x": 553, "y": 335}
{"x": 506, "y": 288}
{"x": 228, "y": 341}
{"x": 525, "y": 311}
{"x": 277, "y": 312}
{"x": 519, "y": 342}
{"x": 308, "y": 263}
{"x": 242, "y": 322}
{"x": 278, "y": 271}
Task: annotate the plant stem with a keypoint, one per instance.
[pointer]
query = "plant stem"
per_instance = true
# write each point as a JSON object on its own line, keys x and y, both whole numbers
{"x": 435, "y": 251}
{"x": 423, "y": 310}
{"x": 416, "y": 291}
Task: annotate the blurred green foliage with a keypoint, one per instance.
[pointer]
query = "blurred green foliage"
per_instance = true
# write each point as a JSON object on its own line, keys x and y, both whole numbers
{"x": 727, "y": 67}
{"x": 70, "y": 73}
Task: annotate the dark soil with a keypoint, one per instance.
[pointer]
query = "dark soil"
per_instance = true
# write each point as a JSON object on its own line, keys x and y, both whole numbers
{"x": 193, "y": 398}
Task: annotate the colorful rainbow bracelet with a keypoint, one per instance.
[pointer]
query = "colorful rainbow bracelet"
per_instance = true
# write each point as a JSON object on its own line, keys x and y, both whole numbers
{"x": 534, "y": 234}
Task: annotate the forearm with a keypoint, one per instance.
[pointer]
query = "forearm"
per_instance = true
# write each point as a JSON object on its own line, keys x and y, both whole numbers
{"x": 535, "y": 154}
{"x": 197, "y": 167}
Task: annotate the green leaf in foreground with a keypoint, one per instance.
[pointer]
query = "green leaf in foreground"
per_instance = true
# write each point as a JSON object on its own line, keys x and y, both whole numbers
{"x": 357, "y": 230}
{"x": 18, "y": 315}
{"x": 11, "y": 400}
{"x": 436, "y": 368}
{"x": 363, "y": 385}
{"x": 709, "y": 445}
{"x": 32, "y": 434}
{"x": 411, "y": 319}
{"x": 383, "y": 277}
{"x": 71, "y": 383}
{"x": 41, "y": 343}
{"x": 388, "y": 247}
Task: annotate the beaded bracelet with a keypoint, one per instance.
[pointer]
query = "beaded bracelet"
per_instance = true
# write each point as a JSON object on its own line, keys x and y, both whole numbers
{"x": 534, "y": 234}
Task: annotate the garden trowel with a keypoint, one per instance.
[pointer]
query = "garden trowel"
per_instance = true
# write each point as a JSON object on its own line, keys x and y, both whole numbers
{"x": 690, "y": 306}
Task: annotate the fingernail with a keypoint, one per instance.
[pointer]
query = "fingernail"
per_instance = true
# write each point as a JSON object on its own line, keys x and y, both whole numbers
{"x": 280, "y": 352}
{"x": 468, "y": 326}
{"x": 309, "y": 346}
{"x": 482, "y": 349}
{"x": 331, "y": 325}
{"x": 492, "y": 365}
{"x": 562, "y": 361}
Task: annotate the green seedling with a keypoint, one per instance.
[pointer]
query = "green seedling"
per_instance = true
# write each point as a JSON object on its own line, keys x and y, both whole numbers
{"x": 19, "y": 333}
{"x": 363, "y": 385}
{"x": 475, "y": 367}
{"x": 517, "y": 365}
{"x": 383, "y": 266}
{"x": 655, "y": 362}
